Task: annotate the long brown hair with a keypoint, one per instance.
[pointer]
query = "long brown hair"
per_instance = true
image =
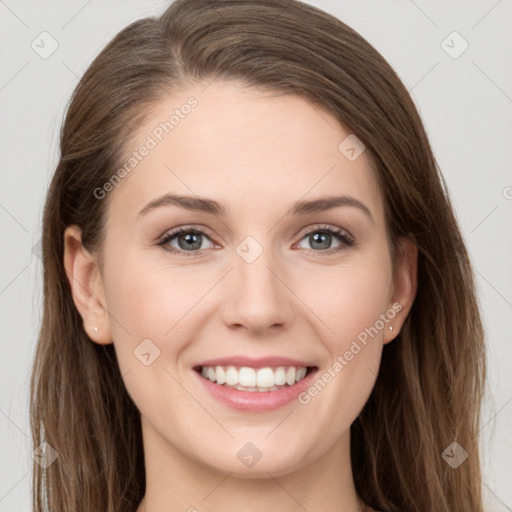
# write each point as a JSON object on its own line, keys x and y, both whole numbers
{"x": 431, "y": 382}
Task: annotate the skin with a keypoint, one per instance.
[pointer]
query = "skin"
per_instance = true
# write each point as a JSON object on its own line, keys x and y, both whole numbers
{"x": 257, "y": 153}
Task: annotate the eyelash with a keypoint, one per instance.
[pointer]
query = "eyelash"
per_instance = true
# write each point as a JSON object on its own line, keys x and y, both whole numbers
{"x": 345, "y": 239}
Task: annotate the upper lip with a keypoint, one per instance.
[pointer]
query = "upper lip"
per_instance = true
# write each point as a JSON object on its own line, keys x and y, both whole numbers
{"x": 261, "y": 362}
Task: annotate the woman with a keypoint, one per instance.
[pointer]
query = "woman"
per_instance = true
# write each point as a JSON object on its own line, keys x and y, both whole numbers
{"x": 256, "y": 294}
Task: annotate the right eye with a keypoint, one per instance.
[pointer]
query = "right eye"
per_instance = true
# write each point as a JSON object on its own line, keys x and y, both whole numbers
{"x": 184, "y": 241}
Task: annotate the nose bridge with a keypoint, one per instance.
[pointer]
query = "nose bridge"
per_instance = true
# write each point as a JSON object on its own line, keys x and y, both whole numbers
{"x": 258, "y": 299}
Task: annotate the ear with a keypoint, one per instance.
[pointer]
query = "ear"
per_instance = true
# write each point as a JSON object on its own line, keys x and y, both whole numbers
{"x": 405, "y": 283}
{"x": 86, "y": 285}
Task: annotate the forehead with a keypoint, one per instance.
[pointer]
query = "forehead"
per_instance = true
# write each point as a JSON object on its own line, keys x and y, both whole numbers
{"x": 245, "y": 147}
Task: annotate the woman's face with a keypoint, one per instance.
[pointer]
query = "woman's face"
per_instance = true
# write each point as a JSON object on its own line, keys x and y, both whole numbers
{"x": 267, "y": 271}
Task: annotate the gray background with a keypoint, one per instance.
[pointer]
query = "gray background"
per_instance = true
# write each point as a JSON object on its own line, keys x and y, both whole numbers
{"x": 465, "y": 102}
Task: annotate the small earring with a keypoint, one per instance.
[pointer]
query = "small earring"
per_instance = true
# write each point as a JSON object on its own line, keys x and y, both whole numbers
{"x": 95, "y": 329}
{"x": 390, "y": 327}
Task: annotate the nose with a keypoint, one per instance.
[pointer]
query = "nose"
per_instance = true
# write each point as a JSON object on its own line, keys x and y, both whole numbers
{"x": 257, "y": 298}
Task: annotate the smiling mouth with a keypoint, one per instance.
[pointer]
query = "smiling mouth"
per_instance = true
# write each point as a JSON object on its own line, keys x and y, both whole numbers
{"x": 255, "y": 379}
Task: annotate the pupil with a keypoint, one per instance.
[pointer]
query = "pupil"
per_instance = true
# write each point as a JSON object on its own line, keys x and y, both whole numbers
{"x": 192, "y": 241}
{"x": 323, "y": 239}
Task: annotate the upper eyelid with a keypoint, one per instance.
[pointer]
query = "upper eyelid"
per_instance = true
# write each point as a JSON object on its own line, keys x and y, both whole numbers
{"x": 176, "y": 231}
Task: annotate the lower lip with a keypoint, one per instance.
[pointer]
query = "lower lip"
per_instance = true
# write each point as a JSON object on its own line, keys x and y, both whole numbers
{"x": 256, "y": 401}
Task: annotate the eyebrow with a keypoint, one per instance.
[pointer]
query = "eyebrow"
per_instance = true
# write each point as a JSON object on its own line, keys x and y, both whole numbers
{"x": 210, "y": 206}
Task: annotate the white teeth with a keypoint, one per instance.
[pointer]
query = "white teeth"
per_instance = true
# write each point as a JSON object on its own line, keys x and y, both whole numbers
{"x": 280, "y": 376}
{"x": 290, "y": 376}
{"x": 231, "y": 376}
{"x": 265, "y": 378}
{"x": 252, "y": 379}
{"x": 246, "y": 377}
{"x": 220, "y": 375}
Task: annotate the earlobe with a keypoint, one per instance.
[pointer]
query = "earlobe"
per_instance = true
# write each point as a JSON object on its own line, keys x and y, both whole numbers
{"x": 405, "y": 283}
{"x": 86, "y": 285}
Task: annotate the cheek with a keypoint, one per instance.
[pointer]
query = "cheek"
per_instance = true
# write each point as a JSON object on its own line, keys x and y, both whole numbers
{"x": 350, "y": 301}
{"x": 352, "y": 305}
{"x": 148, "y": 304}
{"x": 348, "y": 298}
{"x": 149, "y": 300}
{"x": 152, "y": 322}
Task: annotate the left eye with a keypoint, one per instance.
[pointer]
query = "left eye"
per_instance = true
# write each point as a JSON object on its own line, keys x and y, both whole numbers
{"x": 322, "y": 238}
{"x": 190, "y": 241}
